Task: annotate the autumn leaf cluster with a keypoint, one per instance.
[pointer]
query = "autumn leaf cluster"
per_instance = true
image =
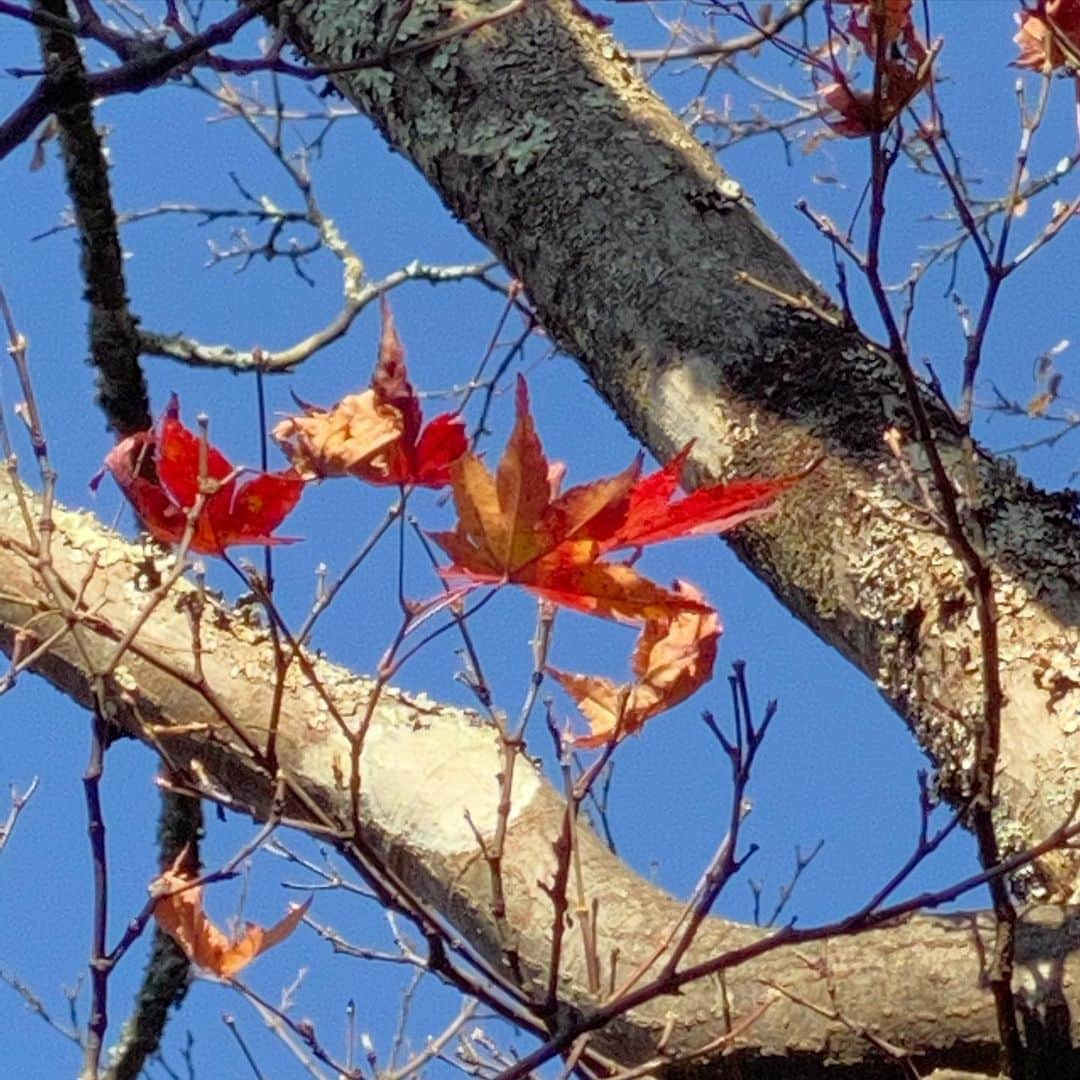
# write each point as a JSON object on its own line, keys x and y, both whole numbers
{"x": 576, "y": 548}
{"x": 884, "y": 32}
{"x": 516, "y": 527}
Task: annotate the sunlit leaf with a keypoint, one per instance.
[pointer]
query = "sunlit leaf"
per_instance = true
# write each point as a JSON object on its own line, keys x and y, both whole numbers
{"x": 179, "y": 913}
{"x": 164, "y": 473}
{"x": 674, "y": 657}
{"x": 377, "y": 435}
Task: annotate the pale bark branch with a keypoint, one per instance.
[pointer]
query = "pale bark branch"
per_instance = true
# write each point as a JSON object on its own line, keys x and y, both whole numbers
{"x": 918, "y": 982}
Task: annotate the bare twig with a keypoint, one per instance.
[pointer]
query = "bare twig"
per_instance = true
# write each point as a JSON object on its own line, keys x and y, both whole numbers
{"x": 18, "y": 804}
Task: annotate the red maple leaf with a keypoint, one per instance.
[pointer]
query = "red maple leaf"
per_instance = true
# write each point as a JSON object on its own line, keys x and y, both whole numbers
{"x": 378, "y": 435}
{"x": 513, "y": 527}
{"x": 165, "y": 473}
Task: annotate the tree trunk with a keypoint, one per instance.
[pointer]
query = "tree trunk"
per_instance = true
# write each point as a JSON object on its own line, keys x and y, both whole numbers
{"x": 631, "y": 243}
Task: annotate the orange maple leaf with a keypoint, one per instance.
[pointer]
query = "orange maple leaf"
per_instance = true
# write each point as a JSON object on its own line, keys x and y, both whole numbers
{"x": 673, "y": 658}
{"x": 513, "y": 527}
{"x": 180, "y": 914}
{"x": 378, "y": 435}
{"x": 1049, "y": 36}
{"x": 163, "y": 473}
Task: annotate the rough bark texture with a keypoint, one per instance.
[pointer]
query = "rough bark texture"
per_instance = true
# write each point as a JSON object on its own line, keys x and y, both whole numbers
{"x": 540, "y": 137}
{"x": 919, "y": 983}
{"x": 114, "y": 342}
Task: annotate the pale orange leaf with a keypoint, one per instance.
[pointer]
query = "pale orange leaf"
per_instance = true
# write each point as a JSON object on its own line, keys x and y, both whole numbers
{"x": 376, "y": 436}
{"x": 673, "y": 658}
{"x": 180, "y": 914}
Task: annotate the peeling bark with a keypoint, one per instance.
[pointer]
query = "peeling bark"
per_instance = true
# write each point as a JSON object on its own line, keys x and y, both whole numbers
{"x": 918, "y": 983}
{"x": 539, "y": 136}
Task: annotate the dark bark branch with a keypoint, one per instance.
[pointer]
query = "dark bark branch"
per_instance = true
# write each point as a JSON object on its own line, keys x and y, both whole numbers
{"x": 151, "y": 67}
{"x": 646, "y": 263}
{"x": 114, "y": 340}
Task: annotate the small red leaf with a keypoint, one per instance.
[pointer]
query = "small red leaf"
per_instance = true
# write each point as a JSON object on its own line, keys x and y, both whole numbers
{"x": 237, "y": 507}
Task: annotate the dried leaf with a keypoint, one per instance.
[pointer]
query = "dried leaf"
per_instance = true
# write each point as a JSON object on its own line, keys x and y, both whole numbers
{"x": 376, "y": 436}
{"x": 1038, "y": 405}
{"x": 48, "y": 131}
{"x": 906, "y": 67}
{"x": 894, "y": 16}
{"x": 857, "y": 113}
{"x": 181, "y": 916}
{"x": 674, "y": 657}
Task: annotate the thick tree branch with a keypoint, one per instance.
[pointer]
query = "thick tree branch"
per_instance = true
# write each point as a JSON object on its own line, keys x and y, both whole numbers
{"x": 430, "y": 778}
{"x": 645, "y": 262}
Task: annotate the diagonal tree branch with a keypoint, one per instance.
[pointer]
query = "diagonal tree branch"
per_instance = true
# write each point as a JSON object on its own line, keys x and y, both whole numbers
{"x": 153, "y": 64}
{"x": 647, "y": 263}
{"x": 430, "y": 778}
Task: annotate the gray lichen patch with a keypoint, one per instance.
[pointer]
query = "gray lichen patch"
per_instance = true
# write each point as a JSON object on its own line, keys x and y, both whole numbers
{"x": 508, "y": 142}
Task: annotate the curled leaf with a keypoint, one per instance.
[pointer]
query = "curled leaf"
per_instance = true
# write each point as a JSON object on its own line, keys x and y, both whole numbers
{"x": 855, "y": 113}
{"x": 179, "y": 913}
{"x": 377, "y": 435}
{"x": 673, "y": 658}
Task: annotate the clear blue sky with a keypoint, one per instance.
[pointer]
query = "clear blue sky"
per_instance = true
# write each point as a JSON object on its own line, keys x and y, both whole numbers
{"x": 838, "y": 765}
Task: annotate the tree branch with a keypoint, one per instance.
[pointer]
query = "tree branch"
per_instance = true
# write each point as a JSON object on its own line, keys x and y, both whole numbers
{"x": 917, "y": 982}
{"x": 114, "y": 342}
{"x": 646, "y": 263}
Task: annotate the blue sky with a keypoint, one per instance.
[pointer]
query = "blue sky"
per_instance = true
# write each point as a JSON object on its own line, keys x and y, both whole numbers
{"x": 838, "y": 765}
